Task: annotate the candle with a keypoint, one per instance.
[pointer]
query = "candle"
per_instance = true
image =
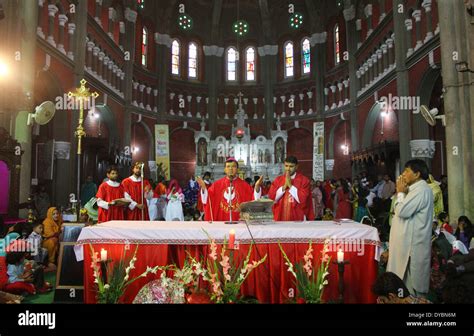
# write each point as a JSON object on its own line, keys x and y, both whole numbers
{"x": 103, "y": 255}
{"x": 231, "y": 239}
{"x": 340, "y": 256}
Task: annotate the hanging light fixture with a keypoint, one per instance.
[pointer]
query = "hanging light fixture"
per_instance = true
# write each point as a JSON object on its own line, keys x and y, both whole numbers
{"x": 240, "y": 27}
{"x": 296, "y": 20}
{"x": 185, "y": 22}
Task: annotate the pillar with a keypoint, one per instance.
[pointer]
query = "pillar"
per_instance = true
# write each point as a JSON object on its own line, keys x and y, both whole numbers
{"x": 409, "y": 27}
{"x": 163, "y": 59}
{"x": 52, "y": 10}
{"x": 429, "y": 25}
{"x": 39, "y": 29}
{"x": 268, "y": 71}
{"x": 368, "y": 15}
{"x": 62, "y": 27}
{"x": 71, "y": 27}
{"x": 417, "y": 16}
{"x": 404, "y": 115}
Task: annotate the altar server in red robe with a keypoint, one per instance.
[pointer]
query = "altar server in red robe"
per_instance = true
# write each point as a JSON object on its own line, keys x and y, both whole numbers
{"x": 292, "y": 194}
{"x": 133, "y": 192}
{"x": 225, "y": 195}
{"x": 107, "y": 198}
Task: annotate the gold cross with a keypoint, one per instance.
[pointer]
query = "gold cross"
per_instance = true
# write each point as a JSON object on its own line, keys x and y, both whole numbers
{"x": 82, "y": 94}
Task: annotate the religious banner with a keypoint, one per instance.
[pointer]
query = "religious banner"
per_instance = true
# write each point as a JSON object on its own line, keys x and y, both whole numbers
{"x": 318, "y": 151}
{"x": 162, "y": 150}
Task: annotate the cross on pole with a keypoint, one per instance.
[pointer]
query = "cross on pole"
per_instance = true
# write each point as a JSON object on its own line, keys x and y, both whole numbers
{"x": 82, "y": 94}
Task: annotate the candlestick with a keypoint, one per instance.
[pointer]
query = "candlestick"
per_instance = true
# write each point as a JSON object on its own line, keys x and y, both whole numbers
{"x": 231, "y": 239}
{"x": 340, "y": 256}
{"x": 103, "y": 255}
{"x": 340, "y": 270}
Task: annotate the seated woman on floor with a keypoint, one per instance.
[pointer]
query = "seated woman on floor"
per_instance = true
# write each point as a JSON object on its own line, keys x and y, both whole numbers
{"x": 52, "y": 229}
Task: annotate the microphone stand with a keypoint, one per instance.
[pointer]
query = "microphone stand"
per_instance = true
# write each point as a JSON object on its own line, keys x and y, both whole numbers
{"x": 230, "y": 205}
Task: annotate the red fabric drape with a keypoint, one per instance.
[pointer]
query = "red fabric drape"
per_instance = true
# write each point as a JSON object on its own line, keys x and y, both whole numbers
{"x": 269, "y": 283}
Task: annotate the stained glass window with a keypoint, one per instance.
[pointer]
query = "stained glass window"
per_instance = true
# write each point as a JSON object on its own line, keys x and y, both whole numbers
{"x": 175, "y": 57}
{"x": 141, "y": 4}
{"x": 306, "y": 57}
{"x": 192, "y": 65}
{"x": 231, "y": 64}
{"x": 337, "y": 51}
{"x": 250, "y": 64}
{"x": 289, "y": 61}
{"x": 144, "y": 46}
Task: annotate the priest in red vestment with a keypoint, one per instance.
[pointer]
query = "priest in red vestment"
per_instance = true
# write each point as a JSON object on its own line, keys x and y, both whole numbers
{"x": 109, "y": 198}
{"x": 292, "y": 194}
{"x": 132, "y": 187}
{"x": 224, "y": 197}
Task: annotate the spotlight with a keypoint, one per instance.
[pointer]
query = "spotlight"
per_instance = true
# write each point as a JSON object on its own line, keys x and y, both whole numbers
{"x": 3, "y": 69}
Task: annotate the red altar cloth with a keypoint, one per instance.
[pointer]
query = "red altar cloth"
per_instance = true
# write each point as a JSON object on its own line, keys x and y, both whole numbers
{"x": 269, "y": 283}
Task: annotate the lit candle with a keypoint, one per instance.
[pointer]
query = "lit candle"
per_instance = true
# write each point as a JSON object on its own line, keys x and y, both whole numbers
{"x": 231, "y": 239}
{"x": 103, "y": 255}
{"x": 340, "y": 256}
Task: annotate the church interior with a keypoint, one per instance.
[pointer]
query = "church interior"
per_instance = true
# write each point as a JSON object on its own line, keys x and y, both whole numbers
{"x": 346, "y": 95}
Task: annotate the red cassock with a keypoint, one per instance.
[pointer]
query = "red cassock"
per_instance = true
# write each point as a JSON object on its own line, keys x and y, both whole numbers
{"x": 287, "y": 208}
{"x": 199, "y": 205}
{"x": 109, "y": 193}
{"x": 133, "y": 188}
{"x": 219, "y": 196}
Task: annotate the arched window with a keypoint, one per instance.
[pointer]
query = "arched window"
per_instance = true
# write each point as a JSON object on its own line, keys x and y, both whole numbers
{"x": 337, "y": 50}
{"x": 289, "y": 60}
{"x": 306, "y": 56}
{"x": 231, "y": 64}
{"x": 250, "y": 64}
{"x": 192, "y": 64}
{"x": 144, "y": 46}
{"x": 175, "y": 57}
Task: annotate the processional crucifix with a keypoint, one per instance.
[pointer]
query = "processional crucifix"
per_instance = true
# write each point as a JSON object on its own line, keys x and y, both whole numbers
{"x": 82, "y": 94}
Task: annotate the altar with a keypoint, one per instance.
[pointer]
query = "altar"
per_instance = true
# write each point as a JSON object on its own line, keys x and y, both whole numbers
{"x": 164, "y": 243}
{"x": 256, "y": 156}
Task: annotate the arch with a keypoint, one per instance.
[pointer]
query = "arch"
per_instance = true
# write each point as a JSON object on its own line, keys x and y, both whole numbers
{"x": 305, "y": 56}
{"x": 425, "y": 89}
{"x": 289, "y": 59}
{"x": 175, "y": 57}
{"x": 330, "y": 149}
{"x": 108, "y": 117}
{"x": 144, "y": 47}
{"x": 250, "y": 63}
{"x": 231, "y": 64}
{"x": 370, "y": 125}
{"x": 193, "y": 60}
{"x": 337, "y": 44}
{"x": 149, "y": 133}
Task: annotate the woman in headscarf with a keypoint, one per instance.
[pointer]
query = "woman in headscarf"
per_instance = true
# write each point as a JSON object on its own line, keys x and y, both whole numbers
{"x": 174, "y": 195}
{"x": 52, "y": 229}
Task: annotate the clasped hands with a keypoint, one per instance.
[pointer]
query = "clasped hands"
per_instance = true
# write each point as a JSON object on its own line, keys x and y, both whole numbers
{"x": 287, "y": 181}
{"x": 402, "y": 185}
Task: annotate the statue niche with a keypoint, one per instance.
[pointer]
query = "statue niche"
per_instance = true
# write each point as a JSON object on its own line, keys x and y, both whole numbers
{"x": 202, "y": 152}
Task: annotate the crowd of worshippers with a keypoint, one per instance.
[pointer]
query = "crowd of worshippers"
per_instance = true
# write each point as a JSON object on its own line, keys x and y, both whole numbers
{"x": 427, "y": 257}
